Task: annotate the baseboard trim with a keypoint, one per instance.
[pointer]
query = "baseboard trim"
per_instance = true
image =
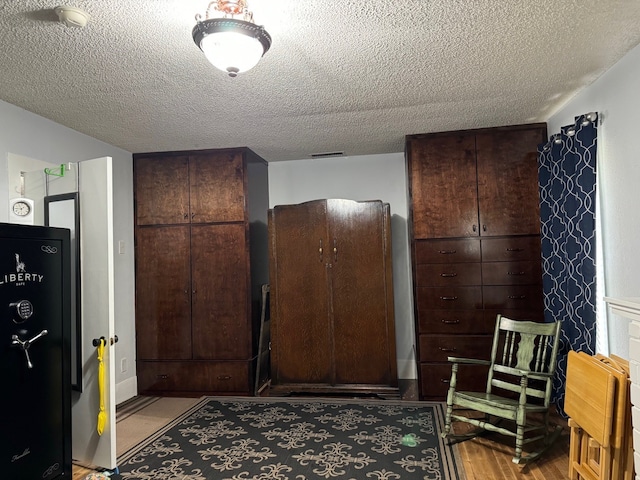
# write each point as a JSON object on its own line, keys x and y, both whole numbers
{"x": 126, "y": 389}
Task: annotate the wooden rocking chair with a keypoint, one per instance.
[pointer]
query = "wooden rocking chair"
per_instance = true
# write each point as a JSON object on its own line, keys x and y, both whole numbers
{"x": 523, "y": 360}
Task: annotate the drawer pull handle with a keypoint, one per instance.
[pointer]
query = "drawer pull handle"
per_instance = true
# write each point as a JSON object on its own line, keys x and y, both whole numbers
{"x": 448, "y": 298}
{"x": 515, "y": 249}
{"x": 448, "y": 275}
{"x": 450, "y": 322}
{"x": 224, "y": 377}
{"x": 162, "y": 376}
{"x": 517, "y": 297}
{"x": 515, "y": 273}
{"x": 444, "y": 380}
{"x": 447, "y": 252}
{"x": 447, "y": 349}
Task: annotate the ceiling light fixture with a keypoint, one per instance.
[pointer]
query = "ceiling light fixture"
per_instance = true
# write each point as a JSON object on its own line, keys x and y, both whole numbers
{"x": 230, "y": 44}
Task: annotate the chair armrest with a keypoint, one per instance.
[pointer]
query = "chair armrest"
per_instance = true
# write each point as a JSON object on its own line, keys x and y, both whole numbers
{"x": 468, "y": 361}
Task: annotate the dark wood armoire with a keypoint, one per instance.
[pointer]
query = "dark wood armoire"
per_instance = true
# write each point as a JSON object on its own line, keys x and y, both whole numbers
{"x": 201, "y": 257}
{"x": 475, "y": 240}
{"x": 332, "y": 318}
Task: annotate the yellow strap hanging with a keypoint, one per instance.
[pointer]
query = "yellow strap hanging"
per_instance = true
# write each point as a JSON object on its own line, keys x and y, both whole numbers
{"x": 102, "y": 415}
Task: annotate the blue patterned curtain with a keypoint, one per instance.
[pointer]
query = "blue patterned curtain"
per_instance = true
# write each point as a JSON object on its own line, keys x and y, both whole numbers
{"x": 567, "y": 176}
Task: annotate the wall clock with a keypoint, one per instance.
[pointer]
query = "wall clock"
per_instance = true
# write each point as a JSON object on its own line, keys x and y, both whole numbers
{"x": 21, "y": 211}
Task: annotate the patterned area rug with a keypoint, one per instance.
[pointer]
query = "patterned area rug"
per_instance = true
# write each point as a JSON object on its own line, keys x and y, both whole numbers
{"x": 297, "y": 439}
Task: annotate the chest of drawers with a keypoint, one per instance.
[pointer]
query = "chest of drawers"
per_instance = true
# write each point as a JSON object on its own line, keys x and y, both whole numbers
{"x": 461, "y": 285}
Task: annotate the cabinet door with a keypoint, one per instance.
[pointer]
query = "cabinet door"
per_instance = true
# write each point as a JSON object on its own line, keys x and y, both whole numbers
{"x": 163, "y": 297}
{"x": 217, "y": 187}
{"x": 300, "y": 335}
{"x": 162, "y": 190}
{"x": 220, "y": 286}
{"x": 443, "y": 186}
{"x": 361, "y": 293}
{"x": 508, "y": 182}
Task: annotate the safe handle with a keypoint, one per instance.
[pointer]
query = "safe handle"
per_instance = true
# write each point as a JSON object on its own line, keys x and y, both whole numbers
{"x": 25, "y": 344}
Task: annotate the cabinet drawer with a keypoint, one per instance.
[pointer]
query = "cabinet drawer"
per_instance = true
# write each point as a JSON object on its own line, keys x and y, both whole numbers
{"x": 447, "y": 251}
{"x": 456, "y": 322}
{"x": 437, "y": 348}
{"x": 435, "y": 377}
{"x": 536, "y": 315}
{"x": 441, "y": 274}
{"x": 446, "y": 298}
{"x": 510, "y": 249}
{"x": 523, "y": 297}
{"x": 512, "y": 273}
{"x": 221, "y": 377}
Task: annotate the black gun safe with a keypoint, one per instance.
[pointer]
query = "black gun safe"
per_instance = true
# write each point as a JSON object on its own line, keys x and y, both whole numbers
{"x": 35, "y": 302}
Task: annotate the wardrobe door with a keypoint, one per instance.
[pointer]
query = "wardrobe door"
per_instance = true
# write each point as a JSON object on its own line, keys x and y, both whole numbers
{"x": 162, "y": 190}
{"x": 508, "y": 182}
{"x": 163, "y": 293}
{"x": 217, "y": 187}
{"x": 219, "y": 263}
{"x": 301, "y": 336}
{"x": 363, "y": 333}
{"x": 443, "y": 186}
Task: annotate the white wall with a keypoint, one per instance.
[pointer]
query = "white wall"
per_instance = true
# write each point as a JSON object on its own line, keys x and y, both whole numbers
{"x": 23, "y": 134}
{"x": 616, "y": 97}
{"x": 366, "y": 177}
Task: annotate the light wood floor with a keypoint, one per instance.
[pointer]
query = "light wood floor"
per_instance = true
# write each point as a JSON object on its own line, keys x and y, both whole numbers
{"x": 80, "y": 472}
{"x": 487, "y": 457}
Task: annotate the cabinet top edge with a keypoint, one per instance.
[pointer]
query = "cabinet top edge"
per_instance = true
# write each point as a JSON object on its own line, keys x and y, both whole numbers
{"x": 251, "y": 155}
{"x": 475, "y": 131}
{"x": 322, "y": 200}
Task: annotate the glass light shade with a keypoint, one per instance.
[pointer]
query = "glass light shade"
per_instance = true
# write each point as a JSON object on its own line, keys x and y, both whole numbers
{"x": 232, "y": 51}
{"x": 233, "y": 46}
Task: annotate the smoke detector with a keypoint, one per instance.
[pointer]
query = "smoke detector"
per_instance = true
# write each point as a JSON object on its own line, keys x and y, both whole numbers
{"x": 72, "y": 17}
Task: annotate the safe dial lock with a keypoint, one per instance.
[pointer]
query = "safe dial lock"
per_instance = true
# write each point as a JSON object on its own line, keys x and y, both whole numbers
{"x": 22, "y": 310}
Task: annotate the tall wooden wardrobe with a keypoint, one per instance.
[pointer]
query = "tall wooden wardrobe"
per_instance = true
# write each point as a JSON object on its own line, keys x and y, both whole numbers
{"x": 201, "y": 257}
{"x": 332, "y": 319}
{"x": 475, "y": 238}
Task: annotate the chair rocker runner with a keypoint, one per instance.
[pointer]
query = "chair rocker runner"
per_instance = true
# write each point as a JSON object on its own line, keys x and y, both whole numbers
{"x": 523, "y": 360}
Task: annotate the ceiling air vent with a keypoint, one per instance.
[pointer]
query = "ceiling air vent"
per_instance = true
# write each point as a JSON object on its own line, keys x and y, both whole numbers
{"x": 327, "y": 154}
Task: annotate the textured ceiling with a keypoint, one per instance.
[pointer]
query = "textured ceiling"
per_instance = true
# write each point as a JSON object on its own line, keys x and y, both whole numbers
{"x": 341, "y": 75}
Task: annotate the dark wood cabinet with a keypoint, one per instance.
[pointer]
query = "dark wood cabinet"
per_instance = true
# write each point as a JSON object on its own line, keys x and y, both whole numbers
{"x": 219, "y": 265}
{"x": 475, "y": 228}
{"x": 508, "y": 200}
{"x": 162, "y": 190}
{"x": 332, "y": 319}
{"x": 163, "y": 293}
{"x": 443, "y": 186}
{"x": 201, "y": 257}
{"x": 475, "y": 183}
